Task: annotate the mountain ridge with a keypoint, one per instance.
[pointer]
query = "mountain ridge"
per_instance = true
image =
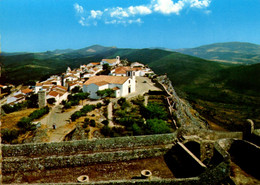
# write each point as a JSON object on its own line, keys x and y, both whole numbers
{"x": 231, "y": 52}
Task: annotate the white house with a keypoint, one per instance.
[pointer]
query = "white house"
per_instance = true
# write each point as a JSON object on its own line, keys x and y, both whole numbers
{"x": 125, "y": 71}
{"x": 59, "y": 93}
{"x": 121, "y": 84}
{"x": 137, "y": 64}
{"x": 111, "y": 62}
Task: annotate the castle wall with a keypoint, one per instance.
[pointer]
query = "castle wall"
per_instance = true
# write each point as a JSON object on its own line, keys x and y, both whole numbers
{"x": 74, "y": 147}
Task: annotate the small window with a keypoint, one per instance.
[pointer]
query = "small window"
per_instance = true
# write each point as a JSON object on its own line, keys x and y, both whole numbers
{"x": 129, "y": 81}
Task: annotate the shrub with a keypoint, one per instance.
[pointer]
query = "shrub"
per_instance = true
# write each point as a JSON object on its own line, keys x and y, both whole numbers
{"x": 9, "y": 135}
{"x": 136, "y": 129}
{"x": 51, "y": 101}
{"x": 121, "y": 101}
{"x": 157, "y": 126}
{"x": 106, "y": 131}
{"x": 125, "y": 105}
{"x": 106, "y": 101}
{"x": 24, "y": 123}
{"x": 105, "y": 122}
{"x": 85, "y": 124}
{"x": 99, "y": 105}
{"x": 154, "y": 110}
{"x": 67, "y": 105}
{"x": 92, "y": 123}
{"x": 87, "y": 108}
{"x": 75, "y": 115}
{"x": 76, "y": 89}
{"x": 39, "y": 113}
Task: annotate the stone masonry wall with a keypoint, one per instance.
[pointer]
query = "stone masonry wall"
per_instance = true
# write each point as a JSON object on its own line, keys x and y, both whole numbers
{"x": 16, "y": 164}
{"x": 74, "y": 147}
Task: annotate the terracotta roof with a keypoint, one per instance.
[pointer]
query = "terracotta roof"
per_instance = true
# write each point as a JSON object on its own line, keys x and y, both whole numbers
{"x": 19, "y": 96}
{"x": 95, "y": 63}
{"x": 1, "y": 85}
{"x": 107, "y": 79}
{"x": 53, "y": 93}
{"x": 116, "y": 88}
{"x": 111, "y": 61}
{"x": 101, "y": 83}
{"x": 38, "y": 84}
{"x": 61, "y": 93}
{"x": 60, "y": 87}
{"x": 25, "y": 91}
{"x": 121, "y": 70}
{"x": 96, "y": 69}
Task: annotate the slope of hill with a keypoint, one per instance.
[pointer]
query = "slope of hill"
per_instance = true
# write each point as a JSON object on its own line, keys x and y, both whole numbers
{"x": 232, "y": 52}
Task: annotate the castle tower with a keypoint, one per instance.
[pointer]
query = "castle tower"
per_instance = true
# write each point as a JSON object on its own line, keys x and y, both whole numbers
{"x": 42, "y": 98}
{"x": 118, "y": 60}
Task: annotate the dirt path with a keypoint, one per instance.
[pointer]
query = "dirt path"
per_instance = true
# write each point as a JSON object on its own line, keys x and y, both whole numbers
{"x": 62, "y": 122}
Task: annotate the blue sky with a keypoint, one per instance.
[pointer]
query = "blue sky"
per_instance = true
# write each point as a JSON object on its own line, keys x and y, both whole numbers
{"x": 41, "y": 25}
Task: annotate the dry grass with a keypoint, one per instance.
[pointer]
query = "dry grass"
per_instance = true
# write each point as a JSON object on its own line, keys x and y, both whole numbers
{"x": 10, "y": 120}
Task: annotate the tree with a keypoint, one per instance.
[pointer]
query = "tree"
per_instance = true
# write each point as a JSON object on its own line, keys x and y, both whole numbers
{"x": 154, "y": 110}
{"x": 32, "y": 101}
{"x": 157, "y": 126}
{"x": 136, "y": 129}
{"x": 106, "y": 93}
{"x": 51, "y": 101}
{"x": 25, "y": 123}
{"x": 76, "y": 89}
{"x": 106, "y": 131}
{"x": 9, "y": 135}
{"x": 105, "y": 122}
{"x": 121, "y": 101}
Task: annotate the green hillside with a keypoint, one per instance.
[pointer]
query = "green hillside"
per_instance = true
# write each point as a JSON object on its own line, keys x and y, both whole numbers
{"x": 233, "y": 52}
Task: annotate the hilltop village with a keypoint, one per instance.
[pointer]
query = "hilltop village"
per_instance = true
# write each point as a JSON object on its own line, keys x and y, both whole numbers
{"x": 120, "y": 78}
{"x": 115, "y": 122}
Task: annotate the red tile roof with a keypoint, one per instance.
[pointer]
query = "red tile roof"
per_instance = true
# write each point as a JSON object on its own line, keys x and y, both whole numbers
{"x": 106, "y": 79}
{"x": 111, "y": 61}
{"x": 26, "y": 91}
{"x": 53, "y": 93}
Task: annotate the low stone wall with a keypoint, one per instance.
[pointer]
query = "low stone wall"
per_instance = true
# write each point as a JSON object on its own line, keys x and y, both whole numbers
{"x": 220, "y": 169}
{"x": 209, "y": 134}
{"x": 18, "y": 164}
{"x": 74, "y": 147}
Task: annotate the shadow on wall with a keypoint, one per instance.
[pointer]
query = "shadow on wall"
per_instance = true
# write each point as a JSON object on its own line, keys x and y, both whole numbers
{"x": 182, "y": 162}
{"x": 246, "y": 155}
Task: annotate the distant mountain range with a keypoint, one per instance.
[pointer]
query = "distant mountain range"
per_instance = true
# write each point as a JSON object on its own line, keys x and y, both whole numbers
{"x": 231, "y": 52}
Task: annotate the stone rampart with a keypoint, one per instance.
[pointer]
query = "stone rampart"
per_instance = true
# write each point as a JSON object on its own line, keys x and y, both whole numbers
{"x": 209, "y": 134}
{"x": 17, "y": 164}
{"x": 74, "y": 147}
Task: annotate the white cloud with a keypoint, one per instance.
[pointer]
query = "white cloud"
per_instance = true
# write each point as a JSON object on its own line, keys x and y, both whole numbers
{"x": 135, "y": 21}
{"x": 133, "y": 14}
{"x": 142, "y": 10}
{"x": 200, "y": 4}
{"x": 168, "y": 6}
{"x": 118, "y": 12}
{"x": 96, "y": 14}
{"x": 78, "y": 8}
